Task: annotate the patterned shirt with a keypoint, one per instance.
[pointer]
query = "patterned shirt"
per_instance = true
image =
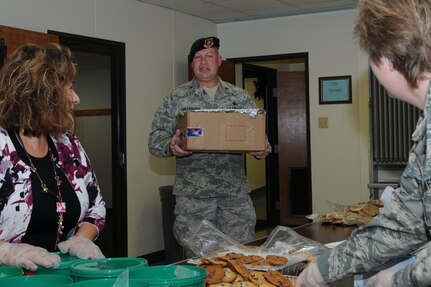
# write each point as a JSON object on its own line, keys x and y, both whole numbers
{"x": 404, "y": 225}
{"x": 16, "y": 201}
{"x": 201, "y": 174}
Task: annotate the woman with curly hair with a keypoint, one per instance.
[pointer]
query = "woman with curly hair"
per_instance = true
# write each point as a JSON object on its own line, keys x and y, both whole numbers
{"x": 49, "y": 195}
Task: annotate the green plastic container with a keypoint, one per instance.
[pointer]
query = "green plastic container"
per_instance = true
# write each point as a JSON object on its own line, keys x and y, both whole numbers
{"x": 10, "y": 271}
{"x": 64, "y": 268}
{"x": 107, "y": 283}
{"x": 105, "y": 268}
{"x": 36, "y": 281}
{"x": 171, "y": 275}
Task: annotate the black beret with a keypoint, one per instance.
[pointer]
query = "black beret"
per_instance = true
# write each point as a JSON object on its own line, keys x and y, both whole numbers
{"x": 203, "y": 43}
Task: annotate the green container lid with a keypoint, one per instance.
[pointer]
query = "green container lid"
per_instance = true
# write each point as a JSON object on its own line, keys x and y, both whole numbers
{"x": 10, "y": 271}
{"x": 171, "y": 275}
{"x": 67, "y": 261}
{"x": 106, "y": 267}
{"x": 109, "y": 282}
{"x": 36, "y": 281}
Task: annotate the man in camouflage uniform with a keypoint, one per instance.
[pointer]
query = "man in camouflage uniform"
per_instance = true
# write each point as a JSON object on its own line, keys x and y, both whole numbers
{"x": 397, "y": 36}
{"x": 211, "y": 186}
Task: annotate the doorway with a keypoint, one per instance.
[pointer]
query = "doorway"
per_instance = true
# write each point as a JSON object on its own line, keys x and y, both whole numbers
{"x": 283, "y": 81}
{"x": 259, "y": 82}
{"x": 99, "y": 117}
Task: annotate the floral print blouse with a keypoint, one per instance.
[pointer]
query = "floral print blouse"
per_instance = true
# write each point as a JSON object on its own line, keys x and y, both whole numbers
{"x": 16, "y": 201}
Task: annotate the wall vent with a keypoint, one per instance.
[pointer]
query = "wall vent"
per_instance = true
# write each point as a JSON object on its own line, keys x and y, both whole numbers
{"x": 392, "y": 124}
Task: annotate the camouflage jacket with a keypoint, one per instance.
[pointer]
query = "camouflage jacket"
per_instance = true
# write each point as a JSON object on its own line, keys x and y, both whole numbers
{"x": 201, "y": 174}
{"x": 402, "y": 228}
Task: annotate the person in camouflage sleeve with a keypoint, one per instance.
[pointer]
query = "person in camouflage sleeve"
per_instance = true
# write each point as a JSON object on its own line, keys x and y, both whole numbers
{"x": 211, "y": 186}
{"x": 397, "y": 36}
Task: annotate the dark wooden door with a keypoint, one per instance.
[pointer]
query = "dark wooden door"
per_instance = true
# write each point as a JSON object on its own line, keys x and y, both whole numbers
{"x": 294, "y": 172}
{"x": 15, "y": 37}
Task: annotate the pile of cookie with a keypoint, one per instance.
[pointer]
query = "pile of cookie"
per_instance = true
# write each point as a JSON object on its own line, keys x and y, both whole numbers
{"x": 230, "y": 270}
{"x": 354, "y": 214}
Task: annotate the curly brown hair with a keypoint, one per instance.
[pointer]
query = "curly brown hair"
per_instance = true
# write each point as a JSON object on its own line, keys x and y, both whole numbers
{"x": 399, "y": 30}
{"x": 33, "y": 94}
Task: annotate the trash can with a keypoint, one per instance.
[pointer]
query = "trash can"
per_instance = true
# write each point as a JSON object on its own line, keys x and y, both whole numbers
{"x": 173, "y": 250}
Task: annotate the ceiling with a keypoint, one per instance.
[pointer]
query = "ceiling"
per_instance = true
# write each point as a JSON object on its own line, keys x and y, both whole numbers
{"x": 225, "y": 11}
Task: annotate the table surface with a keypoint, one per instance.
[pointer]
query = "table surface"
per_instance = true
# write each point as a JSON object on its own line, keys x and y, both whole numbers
{"x": 325, "y": 233}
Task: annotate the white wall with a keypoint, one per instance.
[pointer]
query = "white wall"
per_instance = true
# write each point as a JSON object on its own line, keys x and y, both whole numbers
{"x": 339, "y": 154}
{"x": 157, "y": 43}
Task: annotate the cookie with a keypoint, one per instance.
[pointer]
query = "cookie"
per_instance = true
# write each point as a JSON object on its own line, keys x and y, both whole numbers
{"x": 244, "y": 284}
{"x": 234, "y": 255}
{"x": 248, "y": 259}
{"x": 370, "y": 210}
{"x": 238, "y": 278}
{"x": 217, "y": 261}
{"x": 229, "y": 275}
{"x": 262, "y": 262}
{"x": 376, "y": 202}
{"x": 257, "y": 277}
{"x": 221, "y": 284}
{"x": 277, "y": 278}
{"x": 355, "y": 207}
{"x": 276, "y": 260}
{"x": 215, "y": 273}
{"x": 238, "y": 267}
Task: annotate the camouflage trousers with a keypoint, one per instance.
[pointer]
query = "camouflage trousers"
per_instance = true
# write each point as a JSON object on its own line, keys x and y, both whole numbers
{"x": 234, "y": 216}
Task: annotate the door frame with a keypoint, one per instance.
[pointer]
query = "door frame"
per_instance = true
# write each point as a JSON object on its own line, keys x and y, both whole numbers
{"x": 268, "y": 75}
{"x": 116, "y": 52}
{"x": 272, "y": 166}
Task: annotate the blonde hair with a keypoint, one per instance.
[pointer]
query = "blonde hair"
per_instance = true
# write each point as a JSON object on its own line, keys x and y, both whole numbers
{"x": 33, "y": 94}
{"x": 399, "y": 30}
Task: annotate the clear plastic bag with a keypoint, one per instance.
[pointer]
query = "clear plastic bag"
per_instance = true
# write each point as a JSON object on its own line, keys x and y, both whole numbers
{"x": 284, "y": 241}
{"x": 208, "y": 239}
{"x": 287, "y": 242}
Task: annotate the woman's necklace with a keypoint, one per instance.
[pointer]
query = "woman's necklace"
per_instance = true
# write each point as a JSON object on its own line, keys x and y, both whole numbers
{"x": 60, "y": 204}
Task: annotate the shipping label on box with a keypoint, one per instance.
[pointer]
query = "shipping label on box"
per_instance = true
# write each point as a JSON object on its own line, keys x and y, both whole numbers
{"x": 219, "y": 130}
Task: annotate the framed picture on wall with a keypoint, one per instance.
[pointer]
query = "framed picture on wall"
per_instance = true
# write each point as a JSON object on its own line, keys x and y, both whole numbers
{"x": 335, "y": 90}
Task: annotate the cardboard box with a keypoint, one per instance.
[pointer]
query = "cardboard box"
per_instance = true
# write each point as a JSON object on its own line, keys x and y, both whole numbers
{"x": 218, "y": 130}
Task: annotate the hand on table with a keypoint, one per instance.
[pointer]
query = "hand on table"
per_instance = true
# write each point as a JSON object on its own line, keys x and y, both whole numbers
{"x": 81, "y": 247}
{"x": 27, "y": 256}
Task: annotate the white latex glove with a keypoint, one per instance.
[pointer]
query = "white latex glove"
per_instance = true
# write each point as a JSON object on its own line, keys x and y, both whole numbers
{"x": 27, "y": 256}
{"x": 381, "y": 279}
{"x": 310, "y": 277}
{"x": 80, "y": 247}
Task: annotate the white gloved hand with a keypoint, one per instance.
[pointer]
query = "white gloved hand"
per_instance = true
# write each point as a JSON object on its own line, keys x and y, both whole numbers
{"x": 80, "y": 247}
{"x": 310, "y": 277}
{"x": 27, "y": 256}
{"x": 381, "y": 279}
